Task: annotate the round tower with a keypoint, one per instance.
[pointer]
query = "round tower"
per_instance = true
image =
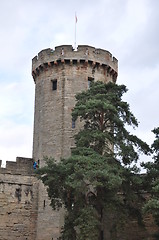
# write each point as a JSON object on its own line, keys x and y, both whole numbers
{"x": 59, "y": 74}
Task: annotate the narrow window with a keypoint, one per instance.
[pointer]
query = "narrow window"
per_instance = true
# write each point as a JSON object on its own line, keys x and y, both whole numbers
{"x": 90, "y": 80}
{"x": 54, "y": 85}
{"x": 44, "y": 204}
{"x": 73, "y": 123}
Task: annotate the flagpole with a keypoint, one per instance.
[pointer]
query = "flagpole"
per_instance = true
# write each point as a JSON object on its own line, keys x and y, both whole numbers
{"x": 75, "y": 28}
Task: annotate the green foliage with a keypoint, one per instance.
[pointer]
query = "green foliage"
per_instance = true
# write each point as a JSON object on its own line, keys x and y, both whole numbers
{"x": 105, "y": 118}
{"x": 99, "y": 176}
{"x": 84, "y": 183}
{"x": 152, "y": 180}
{"x": 88, "y": 224}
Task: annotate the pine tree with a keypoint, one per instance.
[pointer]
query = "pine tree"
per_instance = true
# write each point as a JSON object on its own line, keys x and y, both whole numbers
{"x": 105, "y": 118}
{"x": 152, "y": 180}
{"x": 101, "y": 174}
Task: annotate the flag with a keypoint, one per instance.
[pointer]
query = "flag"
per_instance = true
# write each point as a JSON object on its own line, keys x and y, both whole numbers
{"x": 75, "y": 18}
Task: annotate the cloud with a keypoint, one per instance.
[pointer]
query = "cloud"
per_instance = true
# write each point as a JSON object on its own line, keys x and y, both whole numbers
{"x": 15, "y": 140}
{"x": 16, "y": 120}
{"x": 12, "y": 101}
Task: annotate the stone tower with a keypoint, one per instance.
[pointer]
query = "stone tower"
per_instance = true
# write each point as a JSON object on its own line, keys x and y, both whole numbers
{"x": 59, "y": 74}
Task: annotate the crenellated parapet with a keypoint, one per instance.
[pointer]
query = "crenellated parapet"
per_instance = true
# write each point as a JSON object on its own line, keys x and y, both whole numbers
{"x": 65, "y": 54}
{"x": 22, "y": 166}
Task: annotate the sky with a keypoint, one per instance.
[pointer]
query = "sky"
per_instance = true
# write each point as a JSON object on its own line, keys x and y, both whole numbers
{"x": 129, "y": 29}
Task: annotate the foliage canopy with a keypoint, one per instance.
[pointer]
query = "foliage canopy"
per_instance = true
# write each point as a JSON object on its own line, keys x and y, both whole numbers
{"x": 152, "y": 180}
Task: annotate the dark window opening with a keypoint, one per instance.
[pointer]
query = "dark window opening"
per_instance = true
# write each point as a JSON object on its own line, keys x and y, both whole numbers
{"x": 54, "y": 85}
{"x": 82, "y": 61}
{"x": 90, "y": 80}
{"x": 67, "y": 61}
{"x": 44, "y": 204}
{"x": 18, "y": 194}
{"x": 74, "y": 61}
{"x": 73, "y": 123}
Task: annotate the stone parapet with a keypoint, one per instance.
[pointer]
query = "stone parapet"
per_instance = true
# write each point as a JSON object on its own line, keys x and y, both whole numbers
{"x": 66, "y": 54}
{"x": 22, "y": 166}
{"x": 18, "y": 201}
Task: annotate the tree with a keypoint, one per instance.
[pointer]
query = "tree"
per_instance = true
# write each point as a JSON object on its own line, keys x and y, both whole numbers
{"x": 100, "y": 176}
{"x": 152, "y": 180}
{"x": 105, "y": 118}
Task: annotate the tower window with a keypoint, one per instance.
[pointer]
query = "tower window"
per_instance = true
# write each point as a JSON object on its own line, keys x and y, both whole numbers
{"x": 54, "y": 85}
{"x": 90, "y": 80}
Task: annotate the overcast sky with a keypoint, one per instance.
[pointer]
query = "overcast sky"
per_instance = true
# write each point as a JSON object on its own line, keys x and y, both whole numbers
{"x": 129, "y": 29}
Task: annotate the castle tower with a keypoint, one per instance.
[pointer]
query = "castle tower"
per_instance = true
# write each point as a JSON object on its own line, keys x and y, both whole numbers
{"x": 59, "y": 74}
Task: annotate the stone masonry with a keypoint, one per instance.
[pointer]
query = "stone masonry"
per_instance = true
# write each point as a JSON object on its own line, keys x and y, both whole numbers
{"x": 18, "y": 200}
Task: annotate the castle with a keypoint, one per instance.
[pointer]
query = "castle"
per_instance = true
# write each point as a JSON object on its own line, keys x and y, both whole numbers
{"x": 58, "y": 75}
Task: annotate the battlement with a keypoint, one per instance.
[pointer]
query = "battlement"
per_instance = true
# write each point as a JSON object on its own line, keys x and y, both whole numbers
{"x": 22, "y": 166}
{"x": 66, "y": 54}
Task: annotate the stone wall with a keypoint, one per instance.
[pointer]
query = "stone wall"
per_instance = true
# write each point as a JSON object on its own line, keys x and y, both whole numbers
{"x": 48, "y": 221}
{"x": 25, "y": 211}
{"x": 18, "y": 200}
{"x": 129, "y": 227}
